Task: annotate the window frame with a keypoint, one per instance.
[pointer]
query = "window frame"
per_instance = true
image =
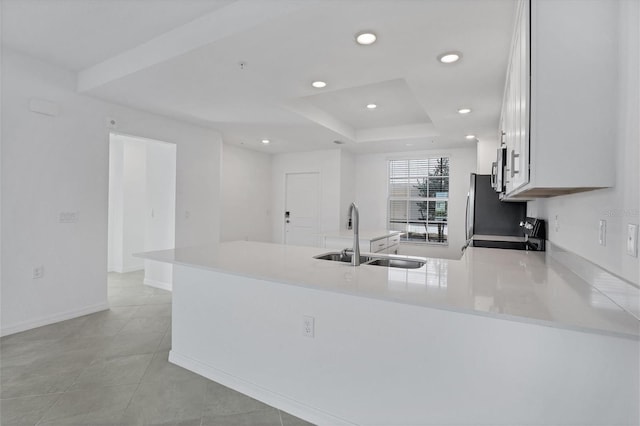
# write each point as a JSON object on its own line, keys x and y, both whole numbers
{"x": 408, "y": 198}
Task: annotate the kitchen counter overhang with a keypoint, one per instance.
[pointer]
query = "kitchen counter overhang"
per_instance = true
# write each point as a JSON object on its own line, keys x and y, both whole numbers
{"x": 506, "y": 284}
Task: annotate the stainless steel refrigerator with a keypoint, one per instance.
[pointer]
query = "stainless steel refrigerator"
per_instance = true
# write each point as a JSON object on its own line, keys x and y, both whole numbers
{"x": 491, "y": 222}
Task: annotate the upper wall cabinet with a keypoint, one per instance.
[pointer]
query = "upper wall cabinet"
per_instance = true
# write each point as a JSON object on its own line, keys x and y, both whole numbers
{"x": 559, "y": 110}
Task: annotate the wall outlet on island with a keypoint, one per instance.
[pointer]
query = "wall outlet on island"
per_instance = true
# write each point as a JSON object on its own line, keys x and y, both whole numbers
{"x": 308, "y": 326}
{"x": 632, "y": 240}
{"x": 38, "y": 272}
{"x": 602, "y": 233}
{"x": 68, "y": 217}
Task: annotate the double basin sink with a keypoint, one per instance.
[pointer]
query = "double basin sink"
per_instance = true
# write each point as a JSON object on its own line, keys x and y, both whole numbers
{"x": 389, "y": 261}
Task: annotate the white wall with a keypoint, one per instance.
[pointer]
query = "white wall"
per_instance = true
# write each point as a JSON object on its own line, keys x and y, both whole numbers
{"x": 160, "y": 209}
{"x": 487, "y": 154}
{"x": 579, "y": 214}
{"x": 246, "y": 195}
{"x": 58, "y": 164}
{"x": 115, "y": 226}
{"x": 372, "y": 192}
{"x": 134, "y": 205}
{"x": 127, "y": 189}
{"x": 142, "y": 193}
{"x": 327, "y": 163}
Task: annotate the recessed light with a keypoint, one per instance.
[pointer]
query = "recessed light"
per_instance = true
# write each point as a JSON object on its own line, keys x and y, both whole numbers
{"x": 449, "y": 57}
{"x": 470, "y": 137}
{"x": 408, "y": 144}
{"x": 372, "y": 106}
{"x": 366, "y": 38}
{"x": 265, "y": 141}
{"x": 319, "y": 84}
{"x": 464, "y": 110}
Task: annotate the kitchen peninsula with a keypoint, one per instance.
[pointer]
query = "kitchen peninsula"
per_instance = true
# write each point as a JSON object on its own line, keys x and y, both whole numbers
{"x": 512, "y": 337}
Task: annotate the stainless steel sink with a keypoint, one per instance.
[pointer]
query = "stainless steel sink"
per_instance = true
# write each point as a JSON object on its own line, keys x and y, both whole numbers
{"x": 390, "y": 261}
{"x": 397, "y": 263}
{"x": 341, "y": 257}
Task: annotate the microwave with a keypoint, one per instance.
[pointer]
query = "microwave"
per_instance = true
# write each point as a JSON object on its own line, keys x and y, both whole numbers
{"x": 497, "y": 170}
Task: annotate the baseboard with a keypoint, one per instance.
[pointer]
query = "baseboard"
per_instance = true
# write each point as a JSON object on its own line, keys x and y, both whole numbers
{"x": 158, "y": 284}
{"x": 264, "y": 395}
{"x": 133, "y": 268}
{"x": 123, "y": 270}
{"x": 28, "y": 325}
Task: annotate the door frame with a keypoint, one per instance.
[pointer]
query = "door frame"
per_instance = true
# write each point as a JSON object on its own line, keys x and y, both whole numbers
{"x": 155, "y": 274}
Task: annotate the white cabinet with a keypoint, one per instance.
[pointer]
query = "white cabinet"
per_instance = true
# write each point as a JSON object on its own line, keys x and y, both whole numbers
{"x": 380, "y": 242}
{"x": 384, "y": 245}
{"x": 393, "y": 244}
{"x": 515, "y": 115}
{"x": 558, "y": 115}
{"x": 377, "y": 246}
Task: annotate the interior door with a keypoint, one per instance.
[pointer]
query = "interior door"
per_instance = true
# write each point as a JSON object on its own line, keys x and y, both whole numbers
{"x": 302, "y": 209}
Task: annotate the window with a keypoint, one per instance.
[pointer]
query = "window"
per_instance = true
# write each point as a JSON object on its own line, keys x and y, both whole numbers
{"x": 419, "y": 199}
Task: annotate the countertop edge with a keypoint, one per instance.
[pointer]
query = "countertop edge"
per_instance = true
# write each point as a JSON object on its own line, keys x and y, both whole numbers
{"x": 497, "y": 316}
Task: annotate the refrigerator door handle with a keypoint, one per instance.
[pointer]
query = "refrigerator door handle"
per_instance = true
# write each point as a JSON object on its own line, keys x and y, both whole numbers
{"x": 466, "y": 225}
{"x": 466, "y": 218}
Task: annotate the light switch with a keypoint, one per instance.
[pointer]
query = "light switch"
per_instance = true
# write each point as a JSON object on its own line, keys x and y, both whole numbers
{"x": 308, "y": 326}
{"x": 632, "y": 240}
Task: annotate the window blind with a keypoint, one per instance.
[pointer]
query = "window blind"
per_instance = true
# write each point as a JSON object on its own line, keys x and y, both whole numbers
{"x": 419, "y": 199}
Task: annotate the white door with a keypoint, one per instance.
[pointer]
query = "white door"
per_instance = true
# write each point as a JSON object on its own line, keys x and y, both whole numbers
{"x": 302, "y": 207}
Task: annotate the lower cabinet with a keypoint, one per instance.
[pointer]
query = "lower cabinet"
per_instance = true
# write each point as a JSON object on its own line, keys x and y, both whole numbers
{"x": 393, "y": 244}
{"x": 386, "y": 244}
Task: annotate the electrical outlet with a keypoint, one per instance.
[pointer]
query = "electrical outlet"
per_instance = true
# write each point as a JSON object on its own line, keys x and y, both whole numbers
{"x": 68, "y": 217}
{"x": 308, "y": 326}
{"x": 602, "y": 233}
{"x": 38, "y": 272}
{"x": 632, "y": 240}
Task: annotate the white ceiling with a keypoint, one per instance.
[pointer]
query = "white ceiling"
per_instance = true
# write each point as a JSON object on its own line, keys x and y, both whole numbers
{"x": 76, "y": 34}
{"x": 182, "y": 58}
{"x": 396, "y": 105}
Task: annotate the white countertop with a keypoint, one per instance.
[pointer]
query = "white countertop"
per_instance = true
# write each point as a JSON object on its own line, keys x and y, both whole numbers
{"x": 507, "y": 284}
{"x": 479, "y": 237}
{"x": 373, "y": 234}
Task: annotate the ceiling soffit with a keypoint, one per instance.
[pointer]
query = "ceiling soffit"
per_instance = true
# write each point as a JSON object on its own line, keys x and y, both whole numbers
{"x": 397, "y": 114}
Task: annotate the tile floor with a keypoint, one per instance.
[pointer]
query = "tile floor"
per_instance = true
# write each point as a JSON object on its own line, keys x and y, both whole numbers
{"x": 111, "y": 368}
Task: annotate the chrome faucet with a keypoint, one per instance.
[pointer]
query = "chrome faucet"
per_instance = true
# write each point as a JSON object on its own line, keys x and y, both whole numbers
{"x": 355, "y": 220}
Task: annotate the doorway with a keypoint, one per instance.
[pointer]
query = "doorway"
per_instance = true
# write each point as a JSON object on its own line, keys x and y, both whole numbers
{"x": 142, "y": 204}
{"x": 302, "y": 204}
